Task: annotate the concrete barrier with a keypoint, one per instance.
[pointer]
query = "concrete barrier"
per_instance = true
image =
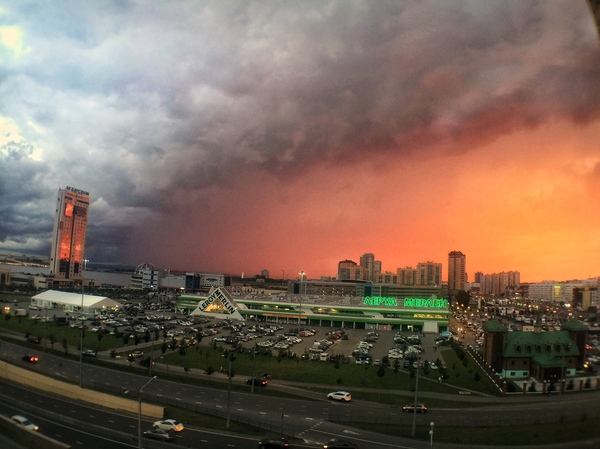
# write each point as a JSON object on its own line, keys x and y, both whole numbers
{"x": 44, "y": 383}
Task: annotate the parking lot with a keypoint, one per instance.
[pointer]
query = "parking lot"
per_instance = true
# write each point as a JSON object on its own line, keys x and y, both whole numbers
{"x": 136, "y": 321}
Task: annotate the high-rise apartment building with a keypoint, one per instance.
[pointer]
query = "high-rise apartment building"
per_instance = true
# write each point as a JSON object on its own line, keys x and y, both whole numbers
{"x": 407, "y": 276}
{"x": 371, "y": 265}
{"x": 457, "y": 275}
{"x": 348, "y": 270}
{"x": 68, "y": 236}
{"x": 498, "y": 284}
{"x": 429, "y": 273}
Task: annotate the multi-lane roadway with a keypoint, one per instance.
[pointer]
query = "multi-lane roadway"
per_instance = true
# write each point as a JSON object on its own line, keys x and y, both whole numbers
{"x": 307, "y": 419}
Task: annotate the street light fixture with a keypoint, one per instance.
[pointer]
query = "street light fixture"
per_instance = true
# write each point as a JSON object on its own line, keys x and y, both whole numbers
{"x": 302, "y": 274}
{"x": 140, "y": 412}
{"x": 431, "y": 434}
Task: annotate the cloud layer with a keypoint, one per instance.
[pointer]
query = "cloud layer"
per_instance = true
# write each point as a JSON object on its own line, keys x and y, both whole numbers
{"x": 235, "y": 136}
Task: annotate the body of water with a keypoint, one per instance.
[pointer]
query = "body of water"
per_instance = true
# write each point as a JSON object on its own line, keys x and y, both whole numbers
{"x": 105, "y": 277}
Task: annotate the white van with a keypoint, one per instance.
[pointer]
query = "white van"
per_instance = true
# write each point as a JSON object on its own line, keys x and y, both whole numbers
{"x": 324, "y": 357}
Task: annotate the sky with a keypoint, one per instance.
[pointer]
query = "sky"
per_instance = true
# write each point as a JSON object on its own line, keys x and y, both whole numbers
{"x": 235, "y": 136}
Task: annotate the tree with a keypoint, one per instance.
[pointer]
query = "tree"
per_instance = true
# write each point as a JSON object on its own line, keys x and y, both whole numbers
{"x": 52, "y": 339}
{"x": 65, "y": 345}
{"x": 462, "y": 298}
{"x": 381, "y": 371}
{"x": 209, "y": 370}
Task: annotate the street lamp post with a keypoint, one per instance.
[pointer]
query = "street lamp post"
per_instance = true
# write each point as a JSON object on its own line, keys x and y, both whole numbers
{"x": 431, "y": 434}
{"x": 302, "y": 274}
{"x": 140, "y": 412}
{"x": 414, "y": 423}
{"x": 229, "y": 357}
{"x": 81, "y": 326}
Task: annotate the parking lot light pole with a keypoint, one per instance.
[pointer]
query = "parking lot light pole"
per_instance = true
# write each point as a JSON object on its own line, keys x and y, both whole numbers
{"x": 140, "y": 412}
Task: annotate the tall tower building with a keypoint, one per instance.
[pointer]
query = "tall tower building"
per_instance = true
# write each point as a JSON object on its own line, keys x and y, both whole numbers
{"x": 68, "y": 236}
{"x": 457, "y": 275}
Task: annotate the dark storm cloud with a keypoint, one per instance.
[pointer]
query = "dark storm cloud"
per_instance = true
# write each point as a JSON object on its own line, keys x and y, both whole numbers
{"x": 23, "y": 218}
{"x": 138, "y": 102}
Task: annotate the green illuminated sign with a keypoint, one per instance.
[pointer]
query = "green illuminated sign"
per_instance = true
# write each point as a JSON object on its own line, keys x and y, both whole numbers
{"x": 421, "y": 303}
{"x": 416, "y": 303}
{"x": 389, "y": 301}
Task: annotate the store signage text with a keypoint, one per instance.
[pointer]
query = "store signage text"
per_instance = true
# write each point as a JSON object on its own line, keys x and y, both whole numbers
{"x": 389, "y": 301}
{"x": 421, "y": 303}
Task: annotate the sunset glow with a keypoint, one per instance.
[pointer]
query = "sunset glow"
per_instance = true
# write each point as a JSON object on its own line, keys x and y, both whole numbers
{"x": 288, "y": 136}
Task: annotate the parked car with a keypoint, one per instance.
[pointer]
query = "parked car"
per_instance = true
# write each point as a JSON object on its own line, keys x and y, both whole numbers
{"x": 257, "y": 382}
{"x": 168, "y": 424}
{"x": 411, "y": 408}
{"x": 32, "y": 339}
{"x": 338, "y": 444}
{"x": 89, "y": 352}
{"x": 272, "y": 443}
{"x": 22, "y": 421}
{"x": 159, "y": 434}
{"x": 343, "y": 396}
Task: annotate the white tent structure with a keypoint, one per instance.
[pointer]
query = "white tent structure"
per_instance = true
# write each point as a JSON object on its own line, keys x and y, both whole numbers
{"x": 74, "y": 302}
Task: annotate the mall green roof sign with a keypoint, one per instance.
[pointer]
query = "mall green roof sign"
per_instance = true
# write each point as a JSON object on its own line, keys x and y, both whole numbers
{"x": 415, "y": 303}
{"x": 388, "y": 301}
{"x": 429, "y": 303}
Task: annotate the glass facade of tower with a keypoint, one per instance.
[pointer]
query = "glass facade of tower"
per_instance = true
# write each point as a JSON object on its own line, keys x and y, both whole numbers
{"x": 68, "y": 237}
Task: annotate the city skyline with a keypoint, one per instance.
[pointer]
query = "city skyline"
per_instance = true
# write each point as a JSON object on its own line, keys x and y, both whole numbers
{"x": 233, "y": 137}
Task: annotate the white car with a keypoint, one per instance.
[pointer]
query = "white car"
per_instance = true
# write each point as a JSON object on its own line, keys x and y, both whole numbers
{"x": 21, "y": 420}
{"x": 343, "y": 396}
{"x": 168, "y": 424}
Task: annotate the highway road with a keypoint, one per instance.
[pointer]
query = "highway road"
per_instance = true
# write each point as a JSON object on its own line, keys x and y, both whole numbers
{"x": 305, "y": 419}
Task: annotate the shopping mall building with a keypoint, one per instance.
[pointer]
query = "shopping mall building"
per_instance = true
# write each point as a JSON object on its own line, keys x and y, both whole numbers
{"x": 331, "y": 304}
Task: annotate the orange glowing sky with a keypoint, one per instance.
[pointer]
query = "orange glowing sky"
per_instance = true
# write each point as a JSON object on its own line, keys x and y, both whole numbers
{"x": 288, "y": 136}
{"x": 524, "y": 202}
